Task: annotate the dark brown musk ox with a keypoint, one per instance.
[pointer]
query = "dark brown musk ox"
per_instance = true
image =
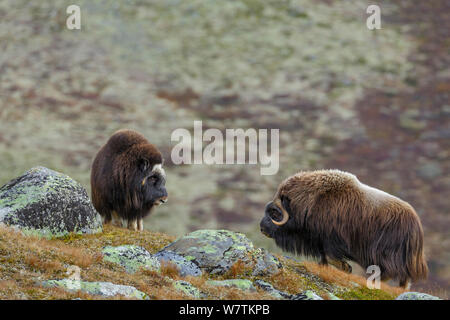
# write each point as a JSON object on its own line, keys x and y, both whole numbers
{"x": 127, "y": 179}
{"x": 331, "y": 215}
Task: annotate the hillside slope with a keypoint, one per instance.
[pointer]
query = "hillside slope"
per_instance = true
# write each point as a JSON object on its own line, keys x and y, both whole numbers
{"x": 27, "y": 262}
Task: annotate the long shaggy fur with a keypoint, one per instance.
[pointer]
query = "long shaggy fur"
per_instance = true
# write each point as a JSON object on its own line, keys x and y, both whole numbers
{"x": 119, "y": 177}
{"x": 332, "y": 214}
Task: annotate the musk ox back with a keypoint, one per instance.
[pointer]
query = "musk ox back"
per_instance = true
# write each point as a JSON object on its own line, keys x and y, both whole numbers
{"x": 127, "y": 179}
{"x": 331, "y": 215}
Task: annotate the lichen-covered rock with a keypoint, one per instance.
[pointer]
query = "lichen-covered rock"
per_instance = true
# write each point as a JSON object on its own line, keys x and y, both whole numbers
{"x": 131, "y": 257}
{"x": 266, "y": 263}
{"x": 184, "y": 266}
{"x": 106, "y": 289}
{"x": 305, "y": 295}
{"x": 187, "y": 288}
{"x": 271, "y": 290}
{"x": 332, "y": 296}
{"x": 46, "y": 203}
{"x": 242, "y": 284}
{"x": 416, "y": 296}
{"x": 215, "y": 251}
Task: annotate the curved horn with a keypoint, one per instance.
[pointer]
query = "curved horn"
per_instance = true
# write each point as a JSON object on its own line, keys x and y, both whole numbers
{"x": 285, "y": 214}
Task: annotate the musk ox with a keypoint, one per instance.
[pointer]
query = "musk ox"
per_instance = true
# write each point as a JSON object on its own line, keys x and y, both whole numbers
{"x": 331, "y": 215}
{"x": 127, "y": 179}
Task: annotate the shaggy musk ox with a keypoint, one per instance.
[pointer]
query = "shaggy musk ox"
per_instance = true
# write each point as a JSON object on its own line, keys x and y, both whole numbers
{"x": 331, "y": 215}
{"x": 127, "y": 179}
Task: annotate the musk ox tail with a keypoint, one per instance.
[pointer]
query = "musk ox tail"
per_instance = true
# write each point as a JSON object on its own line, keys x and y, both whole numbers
{"x": 416, "y": 265}
{"x": 399, "y": 247}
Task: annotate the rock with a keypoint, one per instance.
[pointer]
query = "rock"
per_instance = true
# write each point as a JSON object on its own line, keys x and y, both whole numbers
{"x": 215, "y": 251}
{"x": 266, "y": 263}
{"x": 271, "y": 290}
{"x": 305, "y": 295}
{"x": 416, "y": 296}
{"x": 46, "y": 203}
{"x": 242, "y": 284}
{"x": 187, "y": 288}
{"x": 131, "y": 257}
{"x": 106, "y": 289}
{"x": 184, "y": 266}
{"x": 332, "y": 296}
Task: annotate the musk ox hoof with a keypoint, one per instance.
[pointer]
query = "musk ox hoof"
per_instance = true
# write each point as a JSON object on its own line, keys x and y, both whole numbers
{"x": 341, "y": 265}
{"x": 47, "y": 203}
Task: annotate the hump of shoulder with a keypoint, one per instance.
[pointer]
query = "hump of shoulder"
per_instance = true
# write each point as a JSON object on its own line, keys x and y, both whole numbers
{"x": 124, "y": 139}
{"x": 321, "y": 181}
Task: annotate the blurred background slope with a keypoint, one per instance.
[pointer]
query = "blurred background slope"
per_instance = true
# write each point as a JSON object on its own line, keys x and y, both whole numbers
{"x": 375, "y": 103}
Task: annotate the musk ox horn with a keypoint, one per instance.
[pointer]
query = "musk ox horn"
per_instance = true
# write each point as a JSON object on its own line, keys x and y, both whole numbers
{"x": 285, "y": 214}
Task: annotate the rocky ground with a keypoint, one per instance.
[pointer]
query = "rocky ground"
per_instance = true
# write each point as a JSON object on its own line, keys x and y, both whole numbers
{"x": 121, "y": 264}
{"x": 52, "y": 247}
{"x": 371, "y": 102}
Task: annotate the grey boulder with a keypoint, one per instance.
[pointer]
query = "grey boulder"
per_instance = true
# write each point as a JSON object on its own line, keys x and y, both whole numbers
{"x": 215, "y": 251}
{"x": 47, "y": 203}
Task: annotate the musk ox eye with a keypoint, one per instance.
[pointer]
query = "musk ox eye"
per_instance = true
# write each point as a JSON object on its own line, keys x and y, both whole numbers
{"x": 144, "y": 165}
{"x": 153, "y": 180}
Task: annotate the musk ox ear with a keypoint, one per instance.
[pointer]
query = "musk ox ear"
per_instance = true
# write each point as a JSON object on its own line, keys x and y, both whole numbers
{"x": 143, "y": 165}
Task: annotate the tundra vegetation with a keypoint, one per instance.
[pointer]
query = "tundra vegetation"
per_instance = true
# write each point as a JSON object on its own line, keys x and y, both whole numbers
{"x": 374, "y": 103}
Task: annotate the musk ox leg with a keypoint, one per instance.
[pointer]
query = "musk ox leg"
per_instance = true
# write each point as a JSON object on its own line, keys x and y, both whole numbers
{"x": 140, "y": 224}
{"x": 323, "y": 260}
{"x": 116, "y": 220}
{"x": 341, "y": 265}
{"x": 405, "y": 283}
{"x": 132, "y": 224}
{"x": 107, "y": 219}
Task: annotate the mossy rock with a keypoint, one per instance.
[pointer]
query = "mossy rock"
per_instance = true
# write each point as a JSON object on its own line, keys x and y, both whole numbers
{"x": 265, "y": 263}
{"x": 271, "y": 290}
{"x": 184, "y": 266}
{"x": 416, "y": 296}
{"x": 47, "y": 203}
{"x": 131, "y": 257}
{"x": 187, "y": 288}
{"x": 305, "y": 295}
{"x": 215, "y": 251}
{"x": 106, "y": 289}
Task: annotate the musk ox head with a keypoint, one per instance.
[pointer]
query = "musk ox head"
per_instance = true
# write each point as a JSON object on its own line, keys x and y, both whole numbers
{"x": 150, "y": 180}
{"x": 276, "y": 217}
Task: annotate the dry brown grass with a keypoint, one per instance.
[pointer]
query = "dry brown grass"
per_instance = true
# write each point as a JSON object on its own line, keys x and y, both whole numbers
{"x": 287, "y": 281}
{"x": 43, "y": 265}
{"x": 170, "y": 270}
{"x": 332, "y": 275}
{"x": 238, "y": 269}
